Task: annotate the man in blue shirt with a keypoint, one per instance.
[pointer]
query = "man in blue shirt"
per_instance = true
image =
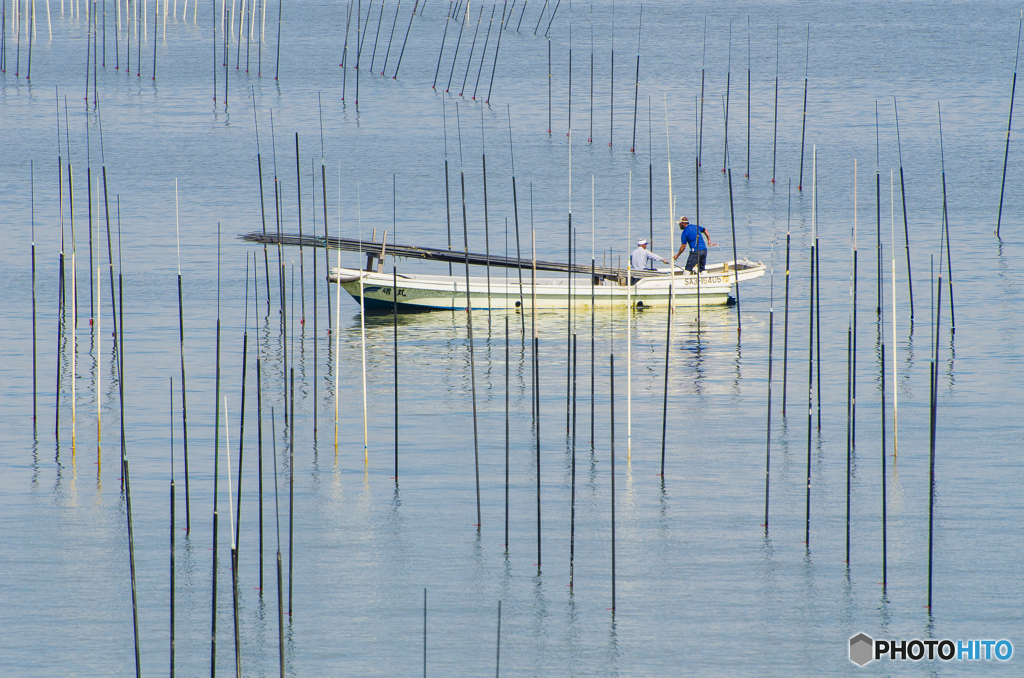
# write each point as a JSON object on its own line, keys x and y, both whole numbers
{"x": 698, "y": 246}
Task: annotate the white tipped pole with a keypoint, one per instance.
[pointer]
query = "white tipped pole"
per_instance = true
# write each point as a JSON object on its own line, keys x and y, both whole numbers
{"x": 892, "y": 217}
{"x": 629, "y": 327}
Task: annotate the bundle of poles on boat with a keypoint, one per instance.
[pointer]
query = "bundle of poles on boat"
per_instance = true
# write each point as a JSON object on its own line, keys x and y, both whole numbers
{"x": 604, "y": 286}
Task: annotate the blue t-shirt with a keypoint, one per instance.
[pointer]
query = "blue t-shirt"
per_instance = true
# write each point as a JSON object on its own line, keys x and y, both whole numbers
{"x": 691, "y": 236}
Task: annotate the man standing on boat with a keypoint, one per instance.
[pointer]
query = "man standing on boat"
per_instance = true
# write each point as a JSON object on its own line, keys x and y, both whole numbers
{"x": 641, "y": 258}
{"x": 698, "y": 247}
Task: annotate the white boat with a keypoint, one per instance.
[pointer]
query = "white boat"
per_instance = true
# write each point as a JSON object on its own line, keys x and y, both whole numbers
{"x": 649, "y": 289}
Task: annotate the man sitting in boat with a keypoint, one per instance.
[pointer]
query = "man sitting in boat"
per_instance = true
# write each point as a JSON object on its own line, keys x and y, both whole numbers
{"x": 698, "y": 246}
{"x": 641, "y": 258}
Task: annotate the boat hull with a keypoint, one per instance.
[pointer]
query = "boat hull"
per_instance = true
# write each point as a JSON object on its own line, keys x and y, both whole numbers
{"x": 428, "y": 292}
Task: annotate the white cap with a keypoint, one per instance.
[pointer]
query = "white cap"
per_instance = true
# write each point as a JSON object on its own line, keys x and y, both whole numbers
{"x": 641, "y": 241}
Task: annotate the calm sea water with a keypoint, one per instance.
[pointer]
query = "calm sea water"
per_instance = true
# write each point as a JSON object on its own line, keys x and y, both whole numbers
{"x": 701, "y": 589}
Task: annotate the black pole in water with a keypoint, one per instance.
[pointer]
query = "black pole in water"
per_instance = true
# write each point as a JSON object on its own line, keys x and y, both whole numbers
{"x": 650, "y": 174}
{"x": 536, "y": 396}
{"x": 611, "y": 374}
{"x": 497, "y": 659}
{"x": 316, "y": 327}
{"x": 539, "y": 17}
{"x": 775, "y": 114}
{"x": 407, "y": 29}
{"x": 227, "y": 52}
{"x": 636, "y": 93}
{"x": 472, "y": 49}
{"x": 768, "y": 427}
{"x": 443, "y": 37}
{"x": 92, "y": 270}
{"x": 810, "y": 398}
{"x": 878, "y": 222}
{"x": 131, "y": 554}
{"x": 735, "y": 257}
{"x": 259, "y": 429}
{"x": 216, "y": 476}
{"x": 172, "y": 526}
{"x": 945, "y": 222}
{"x": 263, "y": 208}
{"x": 394, "y": 303}
{"x": 327, "y": 249}
{"x": 931, "y": 440}
{"x": 280, "y": 587}
{"x": 747, "y": 175}
{"x": 483, "y": 55}
{"x": 507, "y": 388}
{"x": 849, "y": 445}
{"x": 241, "y": 430}
{"x": 344, "y": 49}
{"x": 592, "y": 270}
{"x": 700, "y": 133}
{"x": 469, "y": 327}
{"x": 458, "y": 41}
{"x": 549, "y": 86}
{"x": 1009, "y": 122}
{"x": 424, "y": 632}
{"x": 885, "y": 577}
{"x": 32, "y": 180}
{"x": 184, "y": 404}
{"x": 376, "y": 36}
{"x": 487, "y": 235}
{"x": 553, "y": 13}
{"x": 817, "y": 302}
{"x": 515, "y": 211}
{"x": 803, "y": 121}
{"x": 387, "y": 54}
{"x": 291, "y": 494}
{"x": 568, "y": 299}
{"x": 302, "y": 260}
{"x": 785, "y": 322}
{"x": 497, "y": 48}
{"x": 611, "y": 86}
{"x": 277, "y": 66}
{"x": 906, "y": 227}
{"x": 572, "y": 504}
{"x": 120, "y": 355}
{"x": 664, "y": 399}
{"x": 725, "y": 107}
{"x": 853, "y": 356}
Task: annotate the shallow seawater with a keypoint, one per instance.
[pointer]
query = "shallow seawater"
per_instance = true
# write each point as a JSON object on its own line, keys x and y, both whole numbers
{"x": 701, "y": 588}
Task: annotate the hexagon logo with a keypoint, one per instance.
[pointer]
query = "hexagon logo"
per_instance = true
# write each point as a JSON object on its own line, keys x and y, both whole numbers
{"x": 861, "y": 649}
